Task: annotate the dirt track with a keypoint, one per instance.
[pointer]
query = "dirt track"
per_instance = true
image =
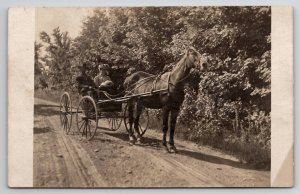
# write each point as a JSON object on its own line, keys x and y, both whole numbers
{"x": 62, "y": 160}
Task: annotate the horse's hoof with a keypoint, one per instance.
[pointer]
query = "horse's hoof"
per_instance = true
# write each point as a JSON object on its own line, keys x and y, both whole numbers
{"x": 166, "y": 149}
{"x": 138, "y": 141}
{"x": 173, "y": 149}
{"x": 131, "y": 143}
{"x": 134, "y": 138}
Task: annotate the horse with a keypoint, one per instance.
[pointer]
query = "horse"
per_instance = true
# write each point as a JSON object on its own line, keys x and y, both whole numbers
{"x": 167, "y": 94}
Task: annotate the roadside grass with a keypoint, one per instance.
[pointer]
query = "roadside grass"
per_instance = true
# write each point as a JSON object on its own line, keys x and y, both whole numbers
{"x": 55, "y": 95}
{"x": 249, "y": 152}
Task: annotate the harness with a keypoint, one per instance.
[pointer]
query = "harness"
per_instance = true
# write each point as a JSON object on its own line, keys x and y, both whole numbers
{"x": 158, "y": 77}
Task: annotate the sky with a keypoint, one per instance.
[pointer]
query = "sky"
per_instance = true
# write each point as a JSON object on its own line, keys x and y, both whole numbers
{"x": 67, "y": 19}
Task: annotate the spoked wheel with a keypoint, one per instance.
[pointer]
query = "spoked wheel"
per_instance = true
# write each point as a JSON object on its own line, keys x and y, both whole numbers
{"x": 65, "y": 109}
{"x": 114, "y": 122}
{"x": 143, "y": 122}
{"x": 87, "y": 117}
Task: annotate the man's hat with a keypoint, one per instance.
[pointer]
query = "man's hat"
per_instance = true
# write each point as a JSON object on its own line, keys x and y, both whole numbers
{"x": 104, "y": 66}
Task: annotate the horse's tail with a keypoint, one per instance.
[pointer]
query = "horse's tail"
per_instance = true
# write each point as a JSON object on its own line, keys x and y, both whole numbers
{"x": 127, "y": 83}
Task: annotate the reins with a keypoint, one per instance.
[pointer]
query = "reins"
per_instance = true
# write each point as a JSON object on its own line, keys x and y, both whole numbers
{"x": 140, "y": 83}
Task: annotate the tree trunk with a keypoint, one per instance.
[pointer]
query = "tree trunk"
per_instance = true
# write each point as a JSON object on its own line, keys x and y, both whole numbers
{"x": 237, "y": 121}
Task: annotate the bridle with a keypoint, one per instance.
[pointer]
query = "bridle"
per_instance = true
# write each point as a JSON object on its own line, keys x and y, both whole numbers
{"x": 181, "y": 80}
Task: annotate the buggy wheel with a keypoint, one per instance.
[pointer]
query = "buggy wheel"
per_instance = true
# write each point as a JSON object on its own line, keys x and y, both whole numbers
{"x": 87, "y": 117}
{"x": 65, "y": 109}
{"x": 143, "y": 122}
{"x": 114, "y": 122}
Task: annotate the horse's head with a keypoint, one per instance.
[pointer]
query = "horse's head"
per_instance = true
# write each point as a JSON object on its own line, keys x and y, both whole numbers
{"x": 196, "y": 60}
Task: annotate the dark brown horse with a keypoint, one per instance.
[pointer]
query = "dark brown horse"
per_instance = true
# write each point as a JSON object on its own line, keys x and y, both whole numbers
{"x": 167, "y": 92}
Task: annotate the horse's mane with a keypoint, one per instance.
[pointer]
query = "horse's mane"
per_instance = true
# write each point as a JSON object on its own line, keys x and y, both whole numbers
{"x": 179, "y": 62}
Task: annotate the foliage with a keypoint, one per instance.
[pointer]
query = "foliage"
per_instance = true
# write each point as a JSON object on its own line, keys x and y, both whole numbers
{"x": 228, "y": 105}
{"x": 58, "y": 57}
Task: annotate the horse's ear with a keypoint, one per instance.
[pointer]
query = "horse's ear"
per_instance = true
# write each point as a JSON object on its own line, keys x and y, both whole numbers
{"x": 185, "y": 49}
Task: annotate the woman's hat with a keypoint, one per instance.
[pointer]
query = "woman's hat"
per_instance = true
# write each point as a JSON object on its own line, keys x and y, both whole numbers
{"x": 104, "y": 66}
{"x": 82, "y": 66}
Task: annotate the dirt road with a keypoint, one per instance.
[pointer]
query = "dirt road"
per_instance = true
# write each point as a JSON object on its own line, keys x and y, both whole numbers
{"x": 108, "y": 160}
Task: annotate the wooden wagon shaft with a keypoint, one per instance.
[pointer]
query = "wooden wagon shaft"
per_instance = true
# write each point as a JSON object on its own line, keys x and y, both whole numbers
{"x": 125, "y": 98}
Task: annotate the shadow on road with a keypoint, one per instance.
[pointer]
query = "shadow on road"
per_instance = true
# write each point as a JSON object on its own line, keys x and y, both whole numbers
{"x": 38, "y": 130}
{"x": 156, "y": 144}
{"x": 216, "y": 159}
{"x": 46, "y": 110}
{"x": 105, "y": 128}
{"x": 121, "y": 136}
{"x": 146, "y": 141}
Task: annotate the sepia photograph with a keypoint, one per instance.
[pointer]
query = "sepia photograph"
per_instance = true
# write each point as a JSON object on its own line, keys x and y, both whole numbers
{"x": 152, "y": 97}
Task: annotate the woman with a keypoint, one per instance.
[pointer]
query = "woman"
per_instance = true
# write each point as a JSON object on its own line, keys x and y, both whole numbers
{"x": 102, "y": 80}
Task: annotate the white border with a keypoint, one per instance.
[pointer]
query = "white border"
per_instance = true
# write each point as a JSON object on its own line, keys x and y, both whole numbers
{"x": 20, "y": 96}
{"x": 282, "y": 128}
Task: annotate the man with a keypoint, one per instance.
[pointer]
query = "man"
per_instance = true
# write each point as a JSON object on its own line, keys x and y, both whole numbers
{"x": 102, "y": 80}
{"x": 83, "y": 80}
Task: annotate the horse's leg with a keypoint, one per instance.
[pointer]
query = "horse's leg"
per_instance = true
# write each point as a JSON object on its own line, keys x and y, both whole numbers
{"x": 130, "y": 119}
{"x": 165, "y": 115}
{"x": 139, "y": 109}
{"x": 174, "y": 114}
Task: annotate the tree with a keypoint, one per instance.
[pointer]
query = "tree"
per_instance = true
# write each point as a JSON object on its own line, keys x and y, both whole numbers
{"x": 40, "y": 76}
{"x": 37, "y": 58}
{"x": 58, "y": 57}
